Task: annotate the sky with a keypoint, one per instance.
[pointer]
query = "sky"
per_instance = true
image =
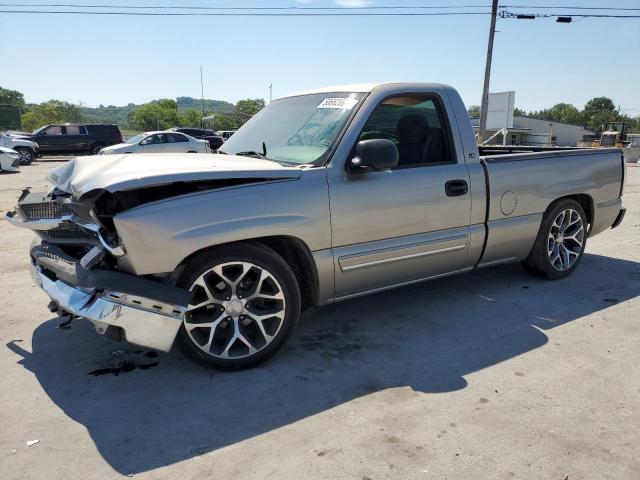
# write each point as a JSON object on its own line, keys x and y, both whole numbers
{"x": 119, "y": 60}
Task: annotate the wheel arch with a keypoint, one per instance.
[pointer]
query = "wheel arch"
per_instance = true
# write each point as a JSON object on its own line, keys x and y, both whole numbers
{"x": 586, "y": 202}
{"x": 293, "y": 250}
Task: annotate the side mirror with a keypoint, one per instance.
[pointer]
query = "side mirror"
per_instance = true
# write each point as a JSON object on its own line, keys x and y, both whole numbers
{"x": 374, "y": 154}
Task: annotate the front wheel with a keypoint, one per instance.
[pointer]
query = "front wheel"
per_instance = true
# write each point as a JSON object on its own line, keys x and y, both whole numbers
{"x": 245, "y": 304}
{"x": 561, "y": 241}
{"x": 27, "y": 156}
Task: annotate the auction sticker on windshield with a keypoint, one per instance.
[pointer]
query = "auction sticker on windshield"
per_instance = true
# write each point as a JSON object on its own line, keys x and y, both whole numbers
{"x": 338, "y": 102}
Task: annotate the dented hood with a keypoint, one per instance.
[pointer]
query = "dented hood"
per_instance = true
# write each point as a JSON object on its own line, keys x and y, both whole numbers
{"x": 131, "y": 171}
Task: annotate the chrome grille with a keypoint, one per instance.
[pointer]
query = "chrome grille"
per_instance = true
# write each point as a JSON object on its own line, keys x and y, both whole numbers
{"x": 36, "y": 211}
{"x": 69, "y": 235}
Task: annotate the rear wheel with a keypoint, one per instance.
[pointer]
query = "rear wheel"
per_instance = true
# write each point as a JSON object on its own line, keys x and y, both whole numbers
{"x": 561, "y": 241}
{"x": 27, "y": 156}
{"x": 245, "y": 304}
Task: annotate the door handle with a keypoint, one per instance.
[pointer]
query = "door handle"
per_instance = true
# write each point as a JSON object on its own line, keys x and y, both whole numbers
{"x": 456, "y": 188}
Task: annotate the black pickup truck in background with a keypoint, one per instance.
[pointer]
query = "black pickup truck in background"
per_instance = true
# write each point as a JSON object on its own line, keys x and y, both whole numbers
{"x": 215, "y": 141}
{"x": 75, "y": 138}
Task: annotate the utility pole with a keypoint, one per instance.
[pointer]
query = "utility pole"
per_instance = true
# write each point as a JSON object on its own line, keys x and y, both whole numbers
{"x": 482, "y": 131}
{"x": 202, "y": 97}
{"x": 270, "y": 92}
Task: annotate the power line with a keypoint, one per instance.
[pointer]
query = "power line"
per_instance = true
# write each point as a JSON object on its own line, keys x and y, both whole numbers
{"x": 565, "y": 7}
{"x": 201, "y": 7}
{"x": 250, "y": 14}
{"x": 530, "y": 16}
{"x": 302, "y": 11}
{"x": 370, "y": 7}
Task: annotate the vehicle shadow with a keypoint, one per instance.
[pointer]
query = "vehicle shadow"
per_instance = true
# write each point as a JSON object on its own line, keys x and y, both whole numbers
{"x": 427, "y": 337}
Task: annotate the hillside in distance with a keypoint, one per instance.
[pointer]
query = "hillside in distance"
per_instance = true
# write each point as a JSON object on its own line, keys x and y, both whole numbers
{"x": 120, "y": 115}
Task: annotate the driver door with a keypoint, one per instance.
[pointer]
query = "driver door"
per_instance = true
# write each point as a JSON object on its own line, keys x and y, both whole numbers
{"x": 51, "y": 139}
{"x": 405, "y": 224}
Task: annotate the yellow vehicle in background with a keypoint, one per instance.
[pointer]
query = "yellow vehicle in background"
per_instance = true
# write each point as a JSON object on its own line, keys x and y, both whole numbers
{"x": 614, "y": 135}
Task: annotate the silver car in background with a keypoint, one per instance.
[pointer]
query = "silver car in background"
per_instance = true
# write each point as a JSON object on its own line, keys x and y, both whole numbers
{"x": 159, "y": 142}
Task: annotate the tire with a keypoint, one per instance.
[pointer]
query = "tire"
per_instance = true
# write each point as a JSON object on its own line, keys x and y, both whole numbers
{"x": 27, "y": 156}
{"x": 248, "y": 300}
{"x": 561, "y": 241}
{"x": 95, "y": 148}
{"x": 191, "y": 151}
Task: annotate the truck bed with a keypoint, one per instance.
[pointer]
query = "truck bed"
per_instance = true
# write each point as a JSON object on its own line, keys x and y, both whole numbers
{"x": 521, "y": 185}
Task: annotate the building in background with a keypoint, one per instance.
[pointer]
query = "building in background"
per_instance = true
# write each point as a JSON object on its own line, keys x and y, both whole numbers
{"x": 504, "y": 128}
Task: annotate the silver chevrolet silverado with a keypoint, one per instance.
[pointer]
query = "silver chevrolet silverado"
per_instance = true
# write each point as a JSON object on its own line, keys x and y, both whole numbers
{"x": 322, "y": 196}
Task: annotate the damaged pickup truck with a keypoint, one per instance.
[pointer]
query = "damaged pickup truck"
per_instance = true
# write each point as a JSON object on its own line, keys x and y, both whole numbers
{"x": 322, "y": 196}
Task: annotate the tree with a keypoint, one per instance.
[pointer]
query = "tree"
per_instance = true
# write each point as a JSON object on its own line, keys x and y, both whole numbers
{"x": 11, "y": 106}
{"x": 157, "y": 115}
{"x": 474, "y": 111}
{"x": 223, "y": 122}
{"x": 249, "y": 106}
{"x": 12, "y": 97}
{"x": 598, "y": 111}
{"x": 564, "y": 112}
{"x": 191, "y": 118}
{"x": 53, "y": 111}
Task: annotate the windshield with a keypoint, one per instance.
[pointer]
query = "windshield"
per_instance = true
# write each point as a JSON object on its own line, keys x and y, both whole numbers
{"x": 136, "y": 139}
{"x": 35, "y": 132}
{"x": 299, "y": 130}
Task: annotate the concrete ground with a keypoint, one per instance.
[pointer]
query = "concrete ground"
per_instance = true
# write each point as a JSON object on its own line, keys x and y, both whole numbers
{"x": 494, "y": 374}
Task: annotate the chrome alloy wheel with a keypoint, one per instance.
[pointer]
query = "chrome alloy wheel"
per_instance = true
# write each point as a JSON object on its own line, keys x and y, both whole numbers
{"x": 237, "y": 310}
{"x": 26, "y": 157}
{"x": 566, "y": 239}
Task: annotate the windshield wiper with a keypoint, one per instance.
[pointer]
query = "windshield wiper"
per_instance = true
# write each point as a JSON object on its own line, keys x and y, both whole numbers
{"x": 251, "y": 153}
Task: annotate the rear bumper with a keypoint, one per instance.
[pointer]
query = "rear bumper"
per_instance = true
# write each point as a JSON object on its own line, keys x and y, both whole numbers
{"x": 141, "y": 320}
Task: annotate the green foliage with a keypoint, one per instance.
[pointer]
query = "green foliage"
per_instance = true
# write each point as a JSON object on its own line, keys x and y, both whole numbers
{"x": 210, "y": 106}
{"x": 157, "y": 115}
{"x": 594, "y": 116}
{"x": 53, "y": 111}
{"x": 249, "y": 106}
{"x": 122, "y": 115}
{"x": 224, "y": 122}
{"x": 11, "y": 97}
{"x": 474, "y": 111}
{"x": 11, "y": 106}
{"x": 191, "y": 118}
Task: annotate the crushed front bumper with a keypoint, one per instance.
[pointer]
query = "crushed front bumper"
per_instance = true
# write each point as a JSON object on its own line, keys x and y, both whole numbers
{"x": 150, "y": 322}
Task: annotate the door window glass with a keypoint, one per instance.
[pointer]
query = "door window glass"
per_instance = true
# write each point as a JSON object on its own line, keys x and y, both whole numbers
{"x": 53, "y": 130}
{"x": 415, "y": 123}
{"x": 153, "y": 139}
{"x": 72, "y": 130}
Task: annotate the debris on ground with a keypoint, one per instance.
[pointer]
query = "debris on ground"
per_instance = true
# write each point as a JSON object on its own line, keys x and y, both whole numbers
{"x": 32, "y": 442}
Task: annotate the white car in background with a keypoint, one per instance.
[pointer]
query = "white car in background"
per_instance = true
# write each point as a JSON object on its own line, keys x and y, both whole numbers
{"x": 9, "y": 160}
{"x": 159, "y": 142}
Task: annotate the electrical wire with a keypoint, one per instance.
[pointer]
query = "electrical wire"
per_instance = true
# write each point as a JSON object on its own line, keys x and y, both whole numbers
{"x": 302, "y": 11}
{"x": 201, "y": 7}
{"x": 251, "y": 14}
